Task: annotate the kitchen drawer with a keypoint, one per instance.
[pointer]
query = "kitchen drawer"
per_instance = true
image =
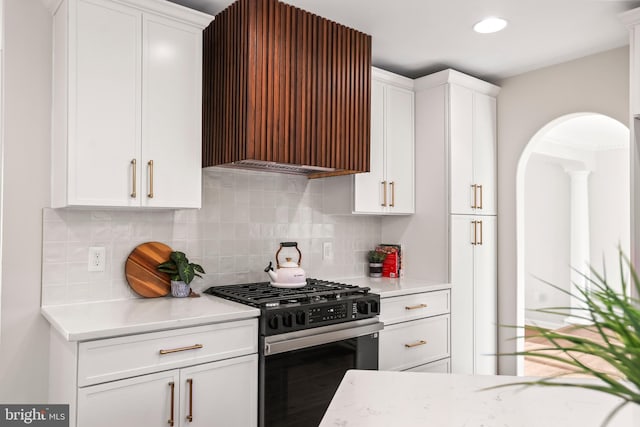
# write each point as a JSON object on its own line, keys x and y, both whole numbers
{"x": 409, "y": 344}
{"x": 116, "y": 358}
{"x": 440, "y": 367}
{"x": 414, "y": 306}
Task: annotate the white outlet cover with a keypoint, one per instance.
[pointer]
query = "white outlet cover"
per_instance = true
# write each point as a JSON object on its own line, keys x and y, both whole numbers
{"x": 97, "y": 258}
{"x": 327, "y": 251}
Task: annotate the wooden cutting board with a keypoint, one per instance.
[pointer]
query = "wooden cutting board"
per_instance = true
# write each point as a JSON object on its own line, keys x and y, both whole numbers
{"x": 141, "y": 272}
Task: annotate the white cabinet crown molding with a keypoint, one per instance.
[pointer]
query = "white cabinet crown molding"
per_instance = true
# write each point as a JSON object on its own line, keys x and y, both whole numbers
{"x": 391, "y": 78}
{"x": 458, "y": 78}
{"x": 160, "y": 7}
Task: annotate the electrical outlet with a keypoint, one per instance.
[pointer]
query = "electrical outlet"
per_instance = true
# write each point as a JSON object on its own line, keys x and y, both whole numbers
{"x": 97, "y": 255}
{"x": 327, "y": 251}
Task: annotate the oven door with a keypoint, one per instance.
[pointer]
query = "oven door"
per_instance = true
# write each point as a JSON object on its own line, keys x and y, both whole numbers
{"x": 300, "y": 371}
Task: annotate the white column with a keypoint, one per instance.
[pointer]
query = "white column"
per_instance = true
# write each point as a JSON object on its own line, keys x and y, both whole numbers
{"x": 580, "y": 241}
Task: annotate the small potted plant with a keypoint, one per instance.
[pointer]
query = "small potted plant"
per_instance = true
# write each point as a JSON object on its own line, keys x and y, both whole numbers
{"x": 181, "y": 272}
{"x": 375, "y": 263}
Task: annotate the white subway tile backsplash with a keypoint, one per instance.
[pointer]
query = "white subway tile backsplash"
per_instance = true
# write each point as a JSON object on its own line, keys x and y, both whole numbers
{"x": 244, "y": 217}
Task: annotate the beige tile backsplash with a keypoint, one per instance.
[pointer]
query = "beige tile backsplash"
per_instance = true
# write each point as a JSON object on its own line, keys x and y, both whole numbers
{"x": 243, "y": 218}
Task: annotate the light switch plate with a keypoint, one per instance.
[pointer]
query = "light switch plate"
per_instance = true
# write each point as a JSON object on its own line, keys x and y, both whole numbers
{"x": 327, "y": 251}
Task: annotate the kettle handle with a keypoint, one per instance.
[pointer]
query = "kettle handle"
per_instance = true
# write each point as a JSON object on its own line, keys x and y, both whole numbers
{"x": 288, "y": 245}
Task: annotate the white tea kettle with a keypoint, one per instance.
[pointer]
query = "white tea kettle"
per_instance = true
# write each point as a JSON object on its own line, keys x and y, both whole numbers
{"x": 288, "y": 274}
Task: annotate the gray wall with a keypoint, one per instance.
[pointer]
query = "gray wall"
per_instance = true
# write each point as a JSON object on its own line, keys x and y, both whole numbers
{"x": 24, "y": 336}
{"x": 597, "y": 83}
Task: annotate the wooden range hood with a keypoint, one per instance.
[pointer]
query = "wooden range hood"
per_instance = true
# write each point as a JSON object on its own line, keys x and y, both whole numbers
{"x": 285, "y": 90}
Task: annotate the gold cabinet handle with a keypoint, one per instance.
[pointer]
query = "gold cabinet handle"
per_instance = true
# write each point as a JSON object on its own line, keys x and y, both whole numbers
{"x": 175, "y": 350}
{"x": 393, "y": 193}
{"x": 190, "y": 416}
{"x": 173, "y": 391}
{"x": 134, "y": 193}
{"x": 480, "y": 222}
{"x": 475, "y": 200}
{"x": 480, "y": 187}
{"x": 415, "y": 344}
{"x": 414, "y": 307}
{"x": 384, "y": 192}
{"x": 475, "y": 233}
{"x": 150, "y": 165}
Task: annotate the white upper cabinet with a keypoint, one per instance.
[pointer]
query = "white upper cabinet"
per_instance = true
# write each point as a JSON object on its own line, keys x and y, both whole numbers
{"x": 389, "y": 186}
{"x": 466, "y": 125}
{"x": 127, "y": 104}
{"x": 472, "y": 151}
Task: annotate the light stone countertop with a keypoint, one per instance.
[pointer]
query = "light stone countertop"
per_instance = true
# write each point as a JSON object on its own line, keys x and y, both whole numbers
{"x": 387, "y": 287}
{"x": 96, "y": 320}
{"x": 414, "y": 399}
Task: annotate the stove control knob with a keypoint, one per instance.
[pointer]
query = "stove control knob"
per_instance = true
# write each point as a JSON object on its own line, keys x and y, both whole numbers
{"x": 287, "y": 320}
{"x": 300, "y": 317}
{"x": 375, "y": 307}
{"x": 367, "y": 307}
{"x": 274, "y": 321}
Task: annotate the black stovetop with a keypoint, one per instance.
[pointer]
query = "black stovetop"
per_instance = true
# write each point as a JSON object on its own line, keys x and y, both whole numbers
{"x": 262, "y": 294}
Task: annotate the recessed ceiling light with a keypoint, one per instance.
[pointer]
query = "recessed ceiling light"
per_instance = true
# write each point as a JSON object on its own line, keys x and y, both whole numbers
{"x": 490, "y": 25}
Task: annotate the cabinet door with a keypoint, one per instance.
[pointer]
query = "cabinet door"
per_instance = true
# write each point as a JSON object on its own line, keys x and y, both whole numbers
{"x": 473, "y": 294}
{"x": 171, "y": 113}
{"x": 139, "y": 401}
{"x": 462, "y": 294}
{"x": 104, "y": 103}
{"x": 221, "y": 393}
{"x": 399, "y": 149}
{"x": 484, "y": 153}
{"x": 485, "y": 297}
{"x": 409, "y": 344}
{"x": 461, "y": 192}
{"x": 369, "y": 187}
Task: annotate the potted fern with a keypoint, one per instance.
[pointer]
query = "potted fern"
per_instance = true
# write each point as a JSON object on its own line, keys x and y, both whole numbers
{"x": 181, "y": 272}
{"x": 614, "y": 320}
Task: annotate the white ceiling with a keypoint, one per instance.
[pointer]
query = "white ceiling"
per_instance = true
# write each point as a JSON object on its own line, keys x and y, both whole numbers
{"x": 418, "y": 37}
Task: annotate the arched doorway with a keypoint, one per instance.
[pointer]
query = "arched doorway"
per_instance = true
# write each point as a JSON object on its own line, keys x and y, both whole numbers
{"x": 573, "y": 210}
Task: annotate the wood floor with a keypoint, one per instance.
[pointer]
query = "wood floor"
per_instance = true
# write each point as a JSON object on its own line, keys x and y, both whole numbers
{"x": 538, "y": 367}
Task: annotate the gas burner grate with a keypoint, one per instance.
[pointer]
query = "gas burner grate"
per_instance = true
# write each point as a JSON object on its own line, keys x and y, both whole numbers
{"x": 262, "y": 293}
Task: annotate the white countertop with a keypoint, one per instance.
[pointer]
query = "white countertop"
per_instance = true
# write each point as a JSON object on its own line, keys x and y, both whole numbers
{"x": 88, "y": 321}
{"x": 387, "y": 287}
{"x": 414, "y": 399}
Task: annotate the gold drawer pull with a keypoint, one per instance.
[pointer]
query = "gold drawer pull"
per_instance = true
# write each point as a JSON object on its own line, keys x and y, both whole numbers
{"x": 384, "y": 189}
{"x": 134, "y": 193}
{"x": 415, "y": 344}
{"x": 150, "y": 165}
{"x": 190, "y": 416}
{"x": 474, "y": 187}
{"x": 393, "y": 194}
{"x": 173, "y": 401}
{"x": 413, "y": 307}
{"x": 175, "y": 350}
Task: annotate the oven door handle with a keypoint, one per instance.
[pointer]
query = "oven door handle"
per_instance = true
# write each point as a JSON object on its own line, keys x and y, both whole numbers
{"x": 271, "y": 348}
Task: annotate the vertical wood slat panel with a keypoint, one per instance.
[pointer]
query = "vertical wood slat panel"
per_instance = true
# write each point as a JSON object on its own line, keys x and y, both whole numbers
{"x": 286, "y": 86}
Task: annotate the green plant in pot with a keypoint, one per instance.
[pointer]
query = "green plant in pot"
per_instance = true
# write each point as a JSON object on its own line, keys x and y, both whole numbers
{"x": 181, "y": 272}
{"x": 376, "y": 258}
{"x": 613, "y": 319}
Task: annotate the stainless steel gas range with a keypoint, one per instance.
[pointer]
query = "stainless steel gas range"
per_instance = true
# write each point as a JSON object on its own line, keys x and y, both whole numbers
{"x": 309, "y": 337}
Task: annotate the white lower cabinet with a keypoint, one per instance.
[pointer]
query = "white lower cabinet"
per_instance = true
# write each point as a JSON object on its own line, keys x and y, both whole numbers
{"x": 213, "y": 393}
{"x": 474, "y": 288}
{"x": 416, "y": 334}
{"x": 197, "y": 376}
